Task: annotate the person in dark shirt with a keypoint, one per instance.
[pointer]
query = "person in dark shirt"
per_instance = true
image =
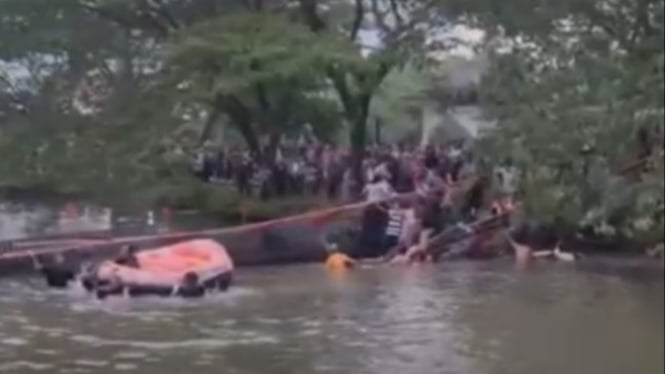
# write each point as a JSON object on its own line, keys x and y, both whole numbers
{"x": 431, "y": 160}
{"x": 57, "y": 274}
{"x": 112, "y": 287}
{"x": 371, "y": 241}
{"x": 87, "y": 275}
{"x": 475, "y": 198}
{"x": 191, "y": 287}
{"x": 243, "y": 177}
{"x": 279, "y": 178}
{"x": 433, "y": 214}
{"x": 127, "y": 257}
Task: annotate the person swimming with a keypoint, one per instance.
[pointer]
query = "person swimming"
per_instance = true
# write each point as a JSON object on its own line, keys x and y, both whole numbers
{"x": 337, "y": 260}
{"x": 127, "y": 257}
{"x": 111, "y": 287}
{"x": 57, "y": 274}
{"x": 87, "y": 275}
{"x": 190, "y": 287}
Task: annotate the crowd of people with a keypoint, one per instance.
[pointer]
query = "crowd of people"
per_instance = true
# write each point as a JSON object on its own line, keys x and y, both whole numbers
{"x": 318, "y": 169}
{"x": 402, "y": 230}
{"x": 409, "y": 195}
{"x": 392, "y": 229}
{"x": 408, "y": 191}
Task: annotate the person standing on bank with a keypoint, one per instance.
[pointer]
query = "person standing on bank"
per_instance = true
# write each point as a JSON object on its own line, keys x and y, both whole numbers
{"x": 371, "y": 242}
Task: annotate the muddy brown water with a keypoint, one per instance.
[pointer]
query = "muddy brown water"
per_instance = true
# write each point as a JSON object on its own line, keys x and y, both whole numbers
{"x": 597, "y": 317}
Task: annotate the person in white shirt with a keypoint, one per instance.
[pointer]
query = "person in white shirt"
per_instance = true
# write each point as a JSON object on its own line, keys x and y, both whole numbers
{"x": 433, "y": 182}
{"x": 410, "y": 236}
{"x": 408, "y": 232}
{"x": 382, "y": 170}
{"x": 378, "y": 190}
{"x": 396, "y": 219}
{"x": 454, "y": 153}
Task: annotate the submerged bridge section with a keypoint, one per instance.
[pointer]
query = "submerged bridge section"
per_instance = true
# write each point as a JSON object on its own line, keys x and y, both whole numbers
{"x": 288, "y": 240}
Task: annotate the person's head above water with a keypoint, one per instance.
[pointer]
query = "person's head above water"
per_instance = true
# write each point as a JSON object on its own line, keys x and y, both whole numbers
{"x": 332, "y": 247}
{"x": 190, "y": 279}
{"x": 58, "y": 258}
{"x": 128, "y": 250}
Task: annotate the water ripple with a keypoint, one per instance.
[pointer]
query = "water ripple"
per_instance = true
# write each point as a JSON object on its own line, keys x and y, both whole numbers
{"x": 180, "y": 344}
{"x": 449, "y": 319}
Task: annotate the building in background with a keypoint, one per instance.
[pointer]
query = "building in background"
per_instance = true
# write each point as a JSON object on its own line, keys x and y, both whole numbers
{"x": 452, "y": 111}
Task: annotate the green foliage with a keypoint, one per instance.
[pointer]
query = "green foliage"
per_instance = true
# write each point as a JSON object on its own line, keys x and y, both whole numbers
{"x": 121, "y": 105}
{"x": 236, "y": 53}
{"x": 261, "y": 70}
{"x": 224, "y": 202}
{"x": 583, "y": 75}
{"x": 400, "y": 98}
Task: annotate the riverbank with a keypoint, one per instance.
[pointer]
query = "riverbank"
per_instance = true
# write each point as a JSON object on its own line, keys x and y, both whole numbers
{"x": 228, "y": 205}
{"x": 220, "y": 201}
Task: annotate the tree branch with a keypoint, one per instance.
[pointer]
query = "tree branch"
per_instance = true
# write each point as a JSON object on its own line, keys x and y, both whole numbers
{"x": 149, "y": 14}
{"x": 358, "y": 19}
{"x": 109, "y": 15}
{"x": 399, "y": 20}
{"x": 379, "y": 17}
{"x": 242, "y": 118}
{"x": 606, "y": 23}
{"x": 210, "y": 122}
{"x": 163, "y": 11}
{"x": 312, "y": 18}
{"x": 11, "y": 88}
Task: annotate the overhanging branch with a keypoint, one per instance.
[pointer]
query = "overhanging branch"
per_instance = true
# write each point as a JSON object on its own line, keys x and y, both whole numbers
{"x": 358, "y": 19}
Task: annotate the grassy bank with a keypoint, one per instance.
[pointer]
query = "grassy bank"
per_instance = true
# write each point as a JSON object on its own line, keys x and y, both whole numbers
{"x": 225, "y": 203}
{"x": 178, "y": 195}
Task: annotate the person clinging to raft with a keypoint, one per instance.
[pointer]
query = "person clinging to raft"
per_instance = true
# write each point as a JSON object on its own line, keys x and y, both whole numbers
{"x": 127, "y": 257}
{"x": 58, "y": 273}
{"x": 190, "y": 287}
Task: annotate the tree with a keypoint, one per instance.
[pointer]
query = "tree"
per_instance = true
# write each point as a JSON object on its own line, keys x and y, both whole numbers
{"x": 399, "y": 101}
{"x": 257, "y": 69}
{"x": 70, "y": 95}
{"x": 571, "y": 83}
{"x": 401, "y": 36}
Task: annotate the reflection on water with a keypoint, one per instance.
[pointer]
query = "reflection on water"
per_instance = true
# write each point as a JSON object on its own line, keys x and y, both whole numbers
{"x": 20, "y": 220}
{"x": 25, "y": 220}
{"x": 453, "y": 318}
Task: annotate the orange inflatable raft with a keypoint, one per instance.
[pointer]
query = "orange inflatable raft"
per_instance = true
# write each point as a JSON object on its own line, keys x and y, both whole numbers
{"x": 164, "y": 268}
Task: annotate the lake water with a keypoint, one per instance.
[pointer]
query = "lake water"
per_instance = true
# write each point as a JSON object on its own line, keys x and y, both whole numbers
{"x": 598, "y": 317}
{"x": 22, "y": 220}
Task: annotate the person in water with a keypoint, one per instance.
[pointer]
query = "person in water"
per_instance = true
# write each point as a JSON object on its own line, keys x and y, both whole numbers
{"x": 87, "y": 275}
{"x": 190, "y": 287}
{"x": 113, "y": 286}
{"x": 337, "y": 260}
{"x": 127, "y": 257}
{"x": 58, "y": 273}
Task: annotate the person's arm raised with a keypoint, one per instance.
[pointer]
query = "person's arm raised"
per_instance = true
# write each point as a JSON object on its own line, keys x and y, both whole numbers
{"x": 35, "y": 261}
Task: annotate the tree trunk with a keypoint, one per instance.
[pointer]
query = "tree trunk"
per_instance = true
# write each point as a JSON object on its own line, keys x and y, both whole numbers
{"x": 358, "y": 140}
{"x": 248, "y": 133}
{"x": 241, "y": 118}
{"x": 208, "y": 126}
{"x": 377, "y": 131}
